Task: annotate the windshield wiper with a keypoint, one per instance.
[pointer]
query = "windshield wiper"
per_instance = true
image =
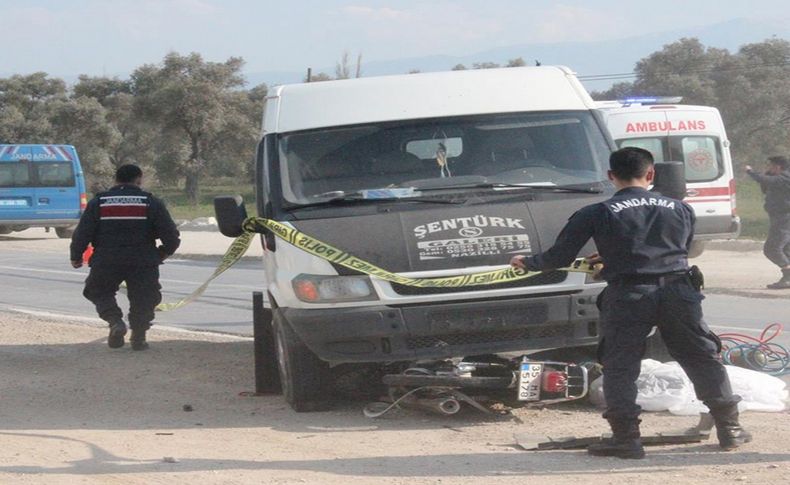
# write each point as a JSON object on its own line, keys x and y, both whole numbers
{"x": 582, "y": 189}
{"x": 357, "y": 198}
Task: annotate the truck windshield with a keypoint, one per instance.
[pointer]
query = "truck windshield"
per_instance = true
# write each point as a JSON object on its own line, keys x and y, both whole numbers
{"x": 558, "y": 148}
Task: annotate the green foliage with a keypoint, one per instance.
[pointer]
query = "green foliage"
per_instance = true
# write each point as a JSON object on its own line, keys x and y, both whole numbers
{"x": 751, "y": 88}
{"x": 205, "y": 120}
{"x": 750, "y": 208}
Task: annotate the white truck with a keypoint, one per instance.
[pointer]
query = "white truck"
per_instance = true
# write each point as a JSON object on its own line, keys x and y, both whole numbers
{"x": 694, "y": 135}
{"x": 424, "y": 175}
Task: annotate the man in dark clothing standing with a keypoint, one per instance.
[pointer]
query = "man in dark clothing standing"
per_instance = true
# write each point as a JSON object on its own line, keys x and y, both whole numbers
{"x": 123, "y": 225}
{"x": 643, "y": 240}
{"x": 775, "y": 183}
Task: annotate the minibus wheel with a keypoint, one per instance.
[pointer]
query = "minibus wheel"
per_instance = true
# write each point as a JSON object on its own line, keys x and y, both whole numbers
{"x": 64, "y": 232}
{"x": 303, "y": 376}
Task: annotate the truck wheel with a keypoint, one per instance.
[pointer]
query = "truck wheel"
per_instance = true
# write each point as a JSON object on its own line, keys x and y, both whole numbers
{"x": 64, "y": 232}
{"x": 696, "y": 249}
{"x": 656, "y": 349}
{"x": 303, "y": 376}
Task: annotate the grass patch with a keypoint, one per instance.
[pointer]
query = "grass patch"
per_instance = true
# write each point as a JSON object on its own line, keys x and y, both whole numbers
{"x": 180, "y": 208}
{"x": 750, "y": 204}
{"x": 750, "y": 208}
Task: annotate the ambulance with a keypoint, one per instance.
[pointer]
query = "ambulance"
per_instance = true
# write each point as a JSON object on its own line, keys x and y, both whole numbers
{"x": 694, "y": 135}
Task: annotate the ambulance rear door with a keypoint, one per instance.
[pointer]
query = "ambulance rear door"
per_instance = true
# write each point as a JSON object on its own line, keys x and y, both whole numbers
{"x": 697, "y": 138}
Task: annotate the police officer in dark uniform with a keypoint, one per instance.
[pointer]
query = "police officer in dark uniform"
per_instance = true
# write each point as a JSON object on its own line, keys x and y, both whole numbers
{"x": 643, "y": 240}
{"x": 123, "y": 225}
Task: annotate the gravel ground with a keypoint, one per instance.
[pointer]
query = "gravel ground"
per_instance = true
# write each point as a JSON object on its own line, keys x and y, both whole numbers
{"x": 74, "y": 411}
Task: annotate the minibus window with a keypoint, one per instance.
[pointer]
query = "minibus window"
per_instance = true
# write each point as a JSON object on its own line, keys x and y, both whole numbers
{"x": 54, "y": 174}
{"x": 14, "y": 174}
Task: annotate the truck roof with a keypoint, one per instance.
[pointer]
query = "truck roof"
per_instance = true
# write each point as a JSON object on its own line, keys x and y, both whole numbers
{"x": 419, "y": 96}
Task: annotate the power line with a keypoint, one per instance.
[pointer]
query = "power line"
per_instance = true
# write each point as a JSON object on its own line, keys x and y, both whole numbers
{"x": 632, "y": 75}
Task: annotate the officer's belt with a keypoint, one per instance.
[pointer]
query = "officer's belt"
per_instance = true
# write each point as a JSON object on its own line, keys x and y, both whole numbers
{"x": 327, "y": 252}
{"x": 651, "y": 279}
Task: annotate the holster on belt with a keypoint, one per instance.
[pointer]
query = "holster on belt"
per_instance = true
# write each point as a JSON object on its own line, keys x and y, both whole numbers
{"x": 696, "y": 277}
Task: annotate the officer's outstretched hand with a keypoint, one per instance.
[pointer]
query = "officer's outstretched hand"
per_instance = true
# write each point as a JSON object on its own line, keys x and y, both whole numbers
{"x": 518, "y": 262}
{"x": 76, "y": 264}
{"x": 595, "y": 261}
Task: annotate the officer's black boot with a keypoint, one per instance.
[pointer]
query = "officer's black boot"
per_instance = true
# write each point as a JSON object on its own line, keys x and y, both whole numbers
{"x": 783, "y": 283}
{"x": 624, "y": 443}
{"x": 117, "y": 332}
{"x": 729, "y": 431}
{"x": 138, "y": 339}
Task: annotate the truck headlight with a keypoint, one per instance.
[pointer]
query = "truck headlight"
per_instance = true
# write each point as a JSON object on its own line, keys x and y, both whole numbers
{"x": 331, "y": 289}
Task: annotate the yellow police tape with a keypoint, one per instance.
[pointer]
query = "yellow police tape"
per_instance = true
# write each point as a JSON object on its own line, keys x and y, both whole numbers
{"x": 313, "y": 246}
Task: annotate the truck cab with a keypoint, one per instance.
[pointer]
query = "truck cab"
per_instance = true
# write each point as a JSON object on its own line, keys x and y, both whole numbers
{"x": 425, "y": 175}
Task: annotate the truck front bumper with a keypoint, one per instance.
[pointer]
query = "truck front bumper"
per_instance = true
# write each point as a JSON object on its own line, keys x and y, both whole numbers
{"x": 450, "y": 329}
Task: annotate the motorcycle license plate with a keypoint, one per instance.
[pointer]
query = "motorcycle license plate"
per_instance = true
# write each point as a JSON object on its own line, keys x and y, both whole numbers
{"x": 529, "y": 381}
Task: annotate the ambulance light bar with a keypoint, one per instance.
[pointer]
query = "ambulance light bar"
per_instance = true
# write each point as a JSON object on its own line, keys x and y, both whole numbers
{"x": 652, "y": 100}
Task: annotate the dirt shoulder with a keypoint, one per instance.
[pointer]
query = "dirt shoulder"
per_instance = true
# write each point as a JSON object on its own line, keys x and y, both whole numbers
{"x": 74, "y": 411}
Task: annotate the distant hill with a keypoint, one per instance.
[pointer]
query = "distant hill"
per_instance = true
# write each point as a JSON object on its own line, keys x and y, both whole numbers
{"x": 586, "y": 58}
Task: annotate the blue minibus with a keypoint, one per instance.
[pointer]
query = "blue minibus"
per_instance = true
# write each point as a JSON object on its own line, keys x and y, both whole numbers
{"x": 41, "y": 186}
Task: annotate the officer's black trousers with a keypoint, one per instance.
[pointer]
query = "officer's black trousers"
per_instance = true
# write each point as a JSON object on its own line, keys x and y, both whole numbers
{"x": 142, "y": 284}
{"x": 628, "y": 313}
{"x": 777, "y": 244}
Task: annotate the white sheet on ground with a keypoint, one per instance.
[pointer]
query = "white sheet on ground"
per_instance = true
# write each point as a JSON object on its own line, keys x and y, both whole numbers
{"x": 665, "y": 387}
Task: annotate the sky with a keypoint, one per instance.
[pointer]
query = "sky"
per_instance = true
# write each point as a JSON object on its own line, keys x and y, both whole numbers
{"x": 112, "y": 37}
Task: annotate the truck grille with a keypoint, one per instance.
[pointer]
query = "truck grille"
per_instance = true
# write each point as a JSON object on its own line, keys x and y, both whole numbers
{"x": 548, "y": 278}
{"x": 525, "y": 333}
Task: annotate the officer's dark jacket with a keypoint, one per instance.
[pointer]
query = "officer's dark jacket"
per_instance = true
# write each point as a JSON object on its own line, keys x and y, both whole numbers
{"x": 123, "y": 225}
{"x": 777, "y": 191}
{"x": 636, "y": 232}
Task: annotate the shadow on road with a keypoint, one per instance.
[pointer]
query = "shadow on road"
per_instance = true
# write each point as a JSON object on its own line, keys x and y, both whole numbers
{"x": 560, "y": 463}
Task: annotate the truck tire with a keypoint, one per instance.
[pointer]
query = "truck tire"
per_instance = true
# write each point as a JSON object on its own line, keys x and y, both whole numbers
{"x": 696, "y": 249}
{"x": 64, "y": 232}
{"x": 304, "y": 377}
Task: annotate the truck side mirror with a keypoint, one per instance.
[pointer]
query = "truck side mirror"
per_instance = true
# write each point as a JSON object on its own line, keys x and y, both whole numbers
{"x": 231, "y": 213}
{"x": 670, "y": 179}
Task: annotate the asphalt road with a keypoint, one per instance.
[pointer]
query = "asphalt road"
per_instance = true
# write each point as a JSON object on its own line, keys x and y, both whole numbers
{"x": 43, "y": 283}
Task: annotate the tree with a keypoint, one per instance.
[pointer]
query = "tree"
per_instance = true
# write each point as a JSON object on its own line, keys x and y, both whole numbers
{"x": 485, "y": 65}
{"x": 751, "y": 89}
{"x": 135, "y": 138}
{"x": 459, "y": 67}
{"x": 343, "y": 67}
{"x": 517, "y": 62}
{"x": 82, "y": 122}
{"x": 198, "y": 106}
{"x": 25, "y": 109}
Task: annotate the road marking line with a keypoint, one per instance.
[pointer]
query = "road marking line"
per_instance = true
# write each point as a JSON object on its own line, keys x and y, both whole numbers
{"x": 101, "y": 323}
{"x": 164, "y": 280}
